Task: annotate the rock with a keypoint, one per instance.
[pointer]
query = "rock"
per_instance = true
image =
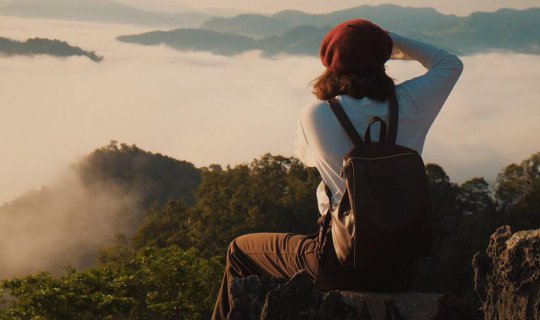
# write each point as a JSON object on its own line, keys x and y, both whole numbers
{"x": 248, "y": 296}
{"x": 257, "y": 297}
{"x": 395, "y": 306}
{"x": 296, "y": 299}
{"x": 507, "y": 275}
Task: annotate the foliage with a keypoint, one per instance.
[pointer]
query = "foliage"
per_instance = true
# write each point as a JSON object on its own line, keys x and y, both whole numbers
{"x": 273, "y": 194}
{"x": 466, "y": 215}
{"x": 518, "y": 193}
{"x": 165, "y": 226}
{"x": 168, "y": 283}
{"x": 171, "y": 267}
{"x": 157, "y": 273}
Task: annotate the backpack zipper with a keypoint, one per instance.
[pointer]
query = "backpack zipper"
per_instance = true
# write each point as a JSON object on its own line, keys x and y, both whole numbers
{"x": 345, "y": 163}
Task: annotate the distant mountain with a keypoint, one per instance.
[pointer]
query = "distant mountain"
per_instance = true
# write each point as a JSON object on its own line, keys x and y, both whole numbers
{"x": 296, "y": 32}
{"x": 222, "y": 12}
{"x": 389, "y": 16}
{"x": 299, "y": 40}
{"x": 100, "y": 11}
{"x": 196, "y": 40}
{"x": 515, "y": 30}
{"x": 157, "y": 5}
{"x": 252, "y": 25}
{"x": 44, "y": 46}
{"x": 157, "y": 178}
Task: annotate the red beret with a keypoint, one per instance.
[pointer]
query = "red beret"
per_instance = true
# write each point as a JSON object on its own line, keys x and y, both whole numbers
{"x": 356, "y": 46}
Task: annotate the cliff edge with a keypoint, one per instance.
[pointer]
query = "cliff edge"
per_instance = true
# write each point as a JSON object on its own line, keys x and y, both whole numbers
{"x": 507, "y": 275}
{"x": 257, "y": 297}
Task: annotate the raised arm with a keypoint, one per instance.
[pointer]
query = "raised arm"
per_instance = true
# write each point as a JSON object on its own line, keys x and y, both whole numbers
{"x": 427, "y": 92}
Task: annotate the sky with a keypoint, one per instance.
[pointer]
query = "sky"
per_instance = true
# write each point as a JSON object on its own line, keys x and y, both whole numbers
{"x": 457, "y": 7}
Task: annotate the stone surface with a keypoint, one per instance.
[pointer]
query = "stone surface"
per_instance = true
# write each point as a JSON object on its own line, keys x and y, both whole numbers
{"x": 248, "y": 296}
{"x": 408, "y": 305}
{"x": 507, "y": 275}
{"x": 261, "y": 298}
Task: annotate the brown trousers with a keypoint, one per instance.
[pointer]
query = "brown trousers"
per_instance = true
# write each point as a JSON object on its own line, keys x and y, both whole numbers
{"x": 281, "y": 255}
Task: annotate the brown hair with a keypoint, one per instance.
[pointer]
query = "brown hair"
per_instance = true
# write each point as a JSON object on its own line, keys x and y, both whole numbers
{"x": 375, "y": 85}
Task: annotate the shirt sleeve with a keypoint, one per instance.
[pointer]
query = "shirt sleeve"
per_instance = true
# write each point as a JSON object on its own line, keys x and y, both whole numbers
{"x": 428, "y": 92}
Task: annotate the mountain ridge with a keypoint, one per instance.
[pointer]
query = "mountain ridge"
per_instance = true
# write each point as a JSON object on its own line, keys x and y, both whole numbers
{"x": 506, "y": 29}
{"x": 52, "y": 47}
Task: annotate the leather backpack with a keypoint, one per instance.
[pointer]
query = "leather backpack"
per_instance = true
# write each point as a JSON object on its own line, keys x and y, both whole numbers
{"x": 385, "y": 211}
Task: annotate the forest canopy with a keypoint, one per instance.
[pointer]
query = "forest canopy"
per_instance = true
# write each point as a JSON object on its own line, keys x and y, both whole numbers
{"x": 171, "y": 266}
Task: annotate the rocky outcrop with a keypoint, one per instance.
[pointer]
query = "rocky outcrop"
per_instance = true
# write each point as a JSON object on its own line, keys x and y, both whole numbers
{"x": 507, "y": 275}
{"x": 262, "y": 298}
{"x": 248, "y": 296}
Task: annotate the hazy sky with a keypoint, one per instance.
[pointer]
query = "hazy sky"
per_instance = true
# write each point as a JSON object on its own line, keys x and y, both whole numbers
{"x": 458, "y": 7}
{"x": 213, "y": 109}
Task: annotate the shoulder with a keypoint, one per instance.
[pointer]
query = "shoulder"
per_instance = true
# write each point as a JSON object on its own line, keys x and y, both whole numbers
{"x": 315, "y": 112}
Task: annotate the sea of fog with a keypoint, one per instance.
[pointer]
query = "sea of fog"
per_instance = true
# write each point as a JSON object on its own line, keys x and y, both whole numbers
{"x": 213, "y": 109}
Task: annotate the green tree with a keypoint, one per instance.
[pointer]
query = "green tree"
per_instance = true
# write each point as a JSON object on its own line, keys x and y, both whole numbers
{"x": 166, "y": 283}
{"x": 165, "y": 226}
{"x": 475, "y": 196}
{"x": 518, "y": 193}
{"x": 436, "y": 273}
{"x": 171, "y": 268}
{"x": 273, "y": 193}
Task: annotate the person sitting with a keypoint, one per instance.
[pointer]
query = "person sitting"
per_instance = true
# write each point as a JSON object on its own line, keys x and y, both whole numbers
{"x": 354, "y": 54}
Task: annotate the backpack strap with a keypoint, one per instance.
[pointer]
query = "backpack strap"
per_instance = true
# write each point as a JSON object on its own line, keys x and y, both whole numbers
{"x": 351, "y": 131}
{"x": 394, "y": 119}
{"x": 346, "y": 123}
{"x": 382, "y": 131}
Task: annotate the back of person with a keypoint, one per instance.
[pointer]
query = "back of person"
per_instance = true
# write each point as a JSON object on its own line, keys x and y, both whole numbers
{"x": 354, "y": 54}
{"x": 321, "y": 141}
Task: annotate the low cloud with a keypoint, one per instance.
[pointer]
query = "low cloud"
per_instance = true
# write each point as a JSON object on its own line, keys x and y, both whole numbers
{"x": 213, "y": 109}
{"x": 491, "y": 118}
{"x": 65, "y": 223}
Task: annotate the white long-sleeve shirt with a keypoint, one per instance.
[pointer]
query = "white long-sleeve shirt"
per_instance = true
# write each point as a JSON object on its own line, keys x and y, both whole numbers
{"x": 322, "y": 142}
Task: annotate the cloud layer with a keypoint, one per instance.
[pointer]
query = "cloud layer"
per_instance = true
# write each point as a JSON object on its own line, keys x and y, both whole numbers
{"x": 212, "y": 109}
